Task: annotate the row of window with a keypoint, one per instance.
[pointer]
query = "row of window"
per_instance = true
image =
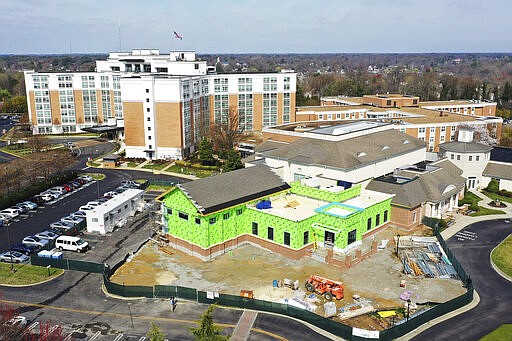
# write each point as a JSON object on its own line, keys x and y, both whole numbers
{"x": 470, "y": 157}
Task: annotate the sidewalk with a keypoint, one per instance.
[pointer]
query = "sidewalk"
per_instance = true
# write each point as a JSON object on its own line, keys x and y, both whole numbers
{"x": 461, "y": 220}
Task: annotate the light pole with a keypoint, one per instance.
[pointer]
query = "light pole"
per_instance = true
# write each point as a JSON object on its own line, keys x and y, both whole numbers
{"x": 397, "y": 243}
{"x": 9, "y": 243}
{"x": 408, "y": 305}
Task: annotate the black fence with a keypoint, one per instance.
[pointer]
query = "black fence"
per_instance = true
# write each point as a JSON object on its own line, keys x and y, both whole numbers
{"x": 336, "y": 328}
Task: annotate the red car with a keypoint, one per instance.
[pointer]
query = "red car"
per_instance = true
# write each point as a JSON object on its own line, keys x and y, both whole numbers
{"x": 67, "y": 188}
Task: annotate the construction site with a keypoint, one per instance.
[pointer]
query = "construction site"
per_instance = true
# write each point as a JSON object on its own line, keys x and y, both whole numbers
{"x": 384, "y": 289}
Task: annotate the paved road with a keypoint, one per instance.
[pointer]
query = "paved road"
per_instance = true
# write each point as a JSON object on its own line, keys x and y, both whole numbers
{"x": 472, "y": 246}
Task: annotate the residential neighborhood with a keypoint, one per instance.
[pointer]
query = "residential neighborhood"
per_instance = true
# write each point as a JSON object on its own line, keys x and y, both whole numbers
{"x": 261, "y": 187}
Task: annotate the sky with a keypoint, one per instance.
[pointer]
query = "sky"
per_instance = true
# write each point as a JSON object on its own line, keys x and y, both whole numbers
{"x": 263, "y": 26}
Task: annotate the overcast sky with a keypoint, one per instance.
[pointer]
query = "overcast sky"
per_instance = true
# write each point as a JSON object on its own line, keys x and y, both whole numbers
{"x": 263, "y": 26}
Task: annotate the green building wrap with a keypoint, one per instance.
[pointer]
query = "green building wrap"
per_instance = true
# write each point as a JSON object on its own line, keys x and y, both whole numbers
{"x": 183, "y": 220}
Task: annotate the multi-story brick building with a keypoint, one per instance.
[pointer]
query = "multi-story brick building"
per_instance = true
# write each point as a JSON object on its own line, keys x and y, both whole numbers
{"x": 164, "y": 102}
{"x": 432, "y": 122}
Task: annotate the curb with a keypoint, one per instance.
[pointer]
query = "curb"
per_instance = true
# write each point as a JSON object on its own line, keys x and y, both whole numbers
{"x": 495, "y": 267}
{"x": 445, "y": 317}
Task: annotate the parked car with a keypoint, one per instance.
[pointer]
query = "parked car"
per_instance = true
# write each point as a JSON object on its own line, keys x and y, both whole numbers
{"x": 102, "y": 200}
{"x": 11, "y": 212}
{"x": 6, "y": 219}
{"x": 38, "y": 199}
{"x": 71, "y": 243}
{"x": 130, "y": 183}
{"x": 21, "y": 208}
{"x": 73, "y": 220}
{"x": 61, "y": 224}
{"x": 74, "y": 184}
{"x": 47, "y": 235}
{"x": 81, "y": 181}
{"x": 53, "y": 195}
{"x": 36, "y": 241}
{"x": 121, "y": 189}
{"x": 86, "y": 208}
{"x": 31, "y": 205}
{"x": 68, "y": 231}
{"x": 68, "y": 188}
{"x": 59, "y": 189}
{"x": 93, "y": 203}
{"x": 1, "y": 222}
{"x": 13, "y": 257}
{"x": 79, "y": 214}
{"x": 85, "y": 177}
{"x": 25, "y": 249}
{"x": 110, "y": 194}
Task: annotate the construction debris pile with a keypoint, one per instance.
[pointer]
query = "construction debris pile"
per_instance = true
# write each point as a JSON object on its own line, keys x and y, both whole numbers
{"x": 423, "y": 256}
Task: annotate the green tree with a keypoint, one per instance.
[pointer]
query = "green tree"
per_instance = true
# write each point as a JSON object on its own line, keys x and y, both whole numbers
{"x": 206, "y": 152}
{"x": 233, "y": 162}
{"x": 206, "y": 330}
{"x": 17, "y": 104}
{"x": 4, "y": 95}
{"x": 506, "y": 96}
{"x": 154, "y": 333}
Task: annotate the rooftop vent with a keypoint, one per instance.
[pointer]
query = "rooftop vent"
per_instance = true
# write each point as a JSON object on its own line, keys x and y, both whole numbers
{"x": 385, "y": 148}
{"x": 361, "y": 154}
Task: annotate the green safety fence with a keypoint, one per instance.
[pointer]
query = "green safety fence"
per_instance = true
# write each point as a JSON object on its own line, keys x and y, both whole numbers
{"x": 68, "y": 264}
{"x": 336, "y": 328}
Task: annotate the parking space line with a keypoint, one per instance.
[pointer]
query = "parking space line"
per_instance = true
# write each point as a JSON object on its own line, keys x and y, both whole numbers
{"x": 118, "y": 337}
{"x": 95, "y": 336}
{"x": 142, "y": 338}
{"x": 71, "y": 334}
{"x": 32, "y": 326}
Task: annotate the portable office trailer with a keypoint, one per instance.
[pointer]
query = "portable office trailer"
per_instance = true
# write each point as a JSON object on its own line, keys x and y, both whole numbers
{"x": 105, "y": 217}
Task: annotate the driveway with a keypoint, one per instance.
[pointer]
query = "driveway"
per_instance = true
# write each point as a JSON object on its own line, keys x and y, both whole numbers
{"x": 472, "y": 247}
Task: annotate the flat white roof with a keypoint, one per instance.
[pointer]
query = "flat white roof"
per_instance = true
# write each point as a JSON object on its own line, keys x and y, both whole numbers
{"x": 116, "y": 201}
{"x": 292, "y": 207}
{"x": 368, "y": 198}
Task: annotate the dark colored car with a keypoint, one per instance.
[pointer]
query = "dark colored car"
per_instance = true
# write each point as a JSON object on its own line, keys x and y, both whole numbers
{"x": 25, "y": 249}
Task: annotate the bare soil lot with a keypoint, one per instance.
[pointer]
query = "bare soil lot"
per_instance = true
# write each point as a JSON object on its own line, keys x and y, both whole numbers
{"x": 251, "y": 268}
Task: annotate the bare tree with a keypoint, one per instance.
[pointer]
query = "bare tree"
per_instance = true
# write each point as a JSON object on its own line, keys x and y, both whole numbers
{"x": 225, "y": 135}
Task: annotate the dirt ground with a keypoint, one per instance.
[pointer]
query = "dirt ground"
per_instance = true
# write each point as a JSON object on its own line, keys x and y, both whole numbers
{"x": 250, "y": 268}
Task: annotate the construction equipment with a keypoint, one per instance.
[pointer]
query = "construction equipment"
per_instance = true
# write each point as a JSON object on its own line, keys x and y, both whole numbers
{"x": 325, "y": 287}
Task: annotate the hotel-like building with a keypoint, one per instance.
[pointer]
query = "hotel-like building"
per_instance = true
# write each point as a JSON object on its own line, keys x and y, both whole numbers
{"x": 164, "y": 102}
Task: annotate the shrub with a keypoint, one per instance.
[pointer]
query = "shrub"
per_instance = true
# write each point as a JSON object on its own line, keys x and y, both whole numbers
{"x": 182, "y": 163}
{"x": 493, "y": 186}
{"x": 474, "y": 206}
{"x": 442, "y": 224}
{"x": 506, "y": 193}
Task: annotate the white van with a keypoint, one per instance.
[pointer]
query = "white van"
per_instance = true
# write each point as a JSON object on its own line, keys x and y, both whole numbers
{"x": 71, "y": 244}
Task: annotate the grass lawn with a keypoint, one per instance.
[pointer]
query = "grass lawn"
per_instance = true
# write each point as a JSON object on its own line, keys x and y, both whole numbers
{"x": 159, "y": 188}
{"x": 470, "y": 198}
{"x": 503, "y": 333}
{"x": 16, "y": 151}
{"x": 495, "y": 196}
{"x": 156, "y": 166}
{"x": 26, "y": 274}
{"x": 200, "y": 173}
{"x": 502, "y": 256}
{"x": 132, "y": 164}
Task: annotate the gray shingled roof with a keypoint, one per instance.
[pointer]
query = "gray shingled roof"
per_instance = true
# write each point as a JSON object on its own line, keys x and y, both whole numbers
{"x": 498, "y": 170}
{"x": 229, "y": 189}
{"x": 428, "y": 186}
{"x": 347, "y": 154}
{"x": 465, "y": 147}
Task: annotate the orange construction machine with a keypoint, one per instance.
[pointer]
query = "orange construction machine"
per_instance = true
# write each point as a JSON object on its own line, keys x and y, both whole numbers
{"x": 326, "y": 287}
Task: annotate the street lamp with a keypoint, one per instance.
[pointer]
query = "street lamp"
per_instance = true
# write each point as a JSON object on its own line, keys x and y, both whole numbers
{"x": 408, "y": 305}
{"x": 397, "y": 243}
{"x": 9, "y": 243}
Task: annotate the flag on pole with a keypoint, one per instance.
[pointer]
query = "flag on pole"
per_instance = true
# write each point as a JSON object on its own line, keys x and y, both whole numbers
{"x": 177, "y": 35}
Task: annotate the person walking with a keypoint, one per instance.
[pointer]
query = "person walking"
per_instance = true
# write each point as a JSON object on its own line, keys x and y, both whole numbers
{"x": 173, "y": 303}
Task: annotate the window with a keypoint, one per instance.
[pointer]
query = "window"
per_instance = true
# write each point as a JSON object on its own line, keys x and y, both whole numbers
{"x": 306, "y": 237}
{"x": 126, "y": 206}
{"x": 149, "y": 137}
{"x": 147, "y": 68}
{"x": 270, "y": 233}
{"x": 212, "y": 220}
{"x": 254, "y": 228}
{"x": 147, "y": 91}
{"x": 226, "y": 216}
{"x": 386, "y": 215}
{"x": 458, "y": 157}
{"x": 477, "y": 158}
{"x": 148, "y": 119}
{"x": 471, "y": 158}
{"x": 286, "y": 237}
{"x": 169, "y": 211}
{"x": 150, "y": 147}
{"x": 147, "y": 109}
{"x": 377, "y": 220}
{"x": 239, "y": 211}
{"x": 452, "y": 156}
{"x": 94, "y": 220}
{"x": 388, "y": 102}
{"x": 414, "y": 217}
{"x": 183, "y": 216}
{"x": 198, "y": 221}
{"x": 368, "y": 224}
{"x": 149, "y": 128}
{"x": 352, "y": 235}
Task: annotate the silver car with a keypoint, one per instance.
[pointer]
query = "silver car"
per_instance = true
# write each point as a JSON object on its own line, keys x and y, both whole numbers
{"x": 13, "y": 257}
